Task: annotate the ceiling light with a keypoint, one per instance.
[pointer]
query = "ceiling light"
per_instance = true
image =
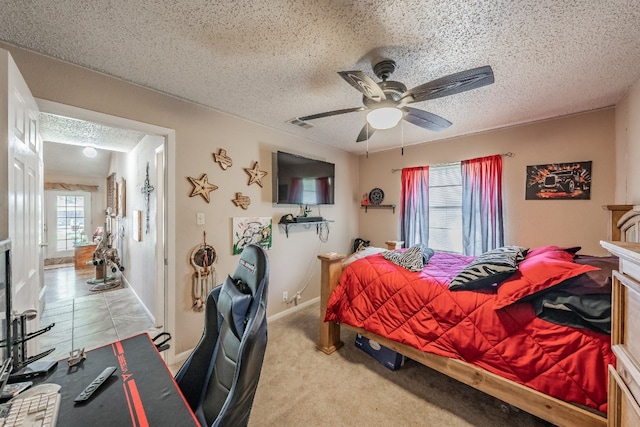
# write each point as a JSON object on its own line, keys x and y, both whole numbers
{"x": 89, "y": 152}
{"x": 384, "y": 117}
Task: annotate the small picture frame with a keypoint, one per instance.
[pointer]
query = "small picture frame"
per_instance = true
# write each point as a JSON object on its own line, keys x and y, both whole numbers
{"x": 122, "y": 198}
{"x": 137, "y": 226}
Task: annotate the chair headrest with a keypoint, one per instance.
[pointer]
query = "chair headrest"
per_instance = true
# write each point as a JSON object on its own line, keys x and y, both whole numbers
{"x": 252, "y": 267}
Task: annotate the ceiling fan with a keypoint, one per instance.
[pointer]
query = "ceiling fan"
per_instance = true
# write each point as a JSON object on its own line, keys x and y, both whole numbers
{"x": 387, "y": 100}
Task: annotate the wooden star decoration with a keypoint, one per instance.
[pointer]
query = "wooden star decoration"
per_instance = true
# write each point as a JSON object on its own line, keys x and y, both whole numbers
{"x": 202, "y": 187}
{"x": 255, "y": 174}
{"x": 242, "y": 201}
{"x": 222, "y": 159}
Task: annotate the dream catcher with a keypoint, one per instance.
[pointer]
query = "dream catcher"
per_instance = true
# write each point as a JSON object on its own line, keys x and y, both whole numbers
{"x": 202, "y": 258}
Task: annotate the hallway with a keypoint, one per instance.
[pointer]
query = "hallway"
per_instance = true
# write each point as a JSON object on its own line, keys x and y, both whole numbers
{"x": 87, "y": 319}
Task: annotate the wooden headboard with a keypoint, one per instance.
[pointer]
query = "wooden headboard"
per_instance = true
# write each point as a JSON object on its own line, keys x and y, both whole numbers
{"x": 628, "y": 226}
{"x": 616, "y": 212}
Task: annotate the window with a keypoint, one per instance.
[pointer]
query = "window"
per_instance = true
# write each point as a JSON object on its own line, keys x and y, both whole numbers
{"x": 445, "y": 208}
{"x": 70, "y": 221}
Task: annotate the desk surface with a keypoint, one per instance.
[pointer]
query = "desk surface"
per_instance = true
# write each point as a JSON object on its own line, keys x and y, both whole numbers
{"x": 141, "y": 392}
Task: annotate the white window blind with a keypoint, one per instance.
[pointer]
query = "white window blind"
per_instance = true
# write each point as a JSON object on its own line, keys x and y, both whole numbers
{"x": 445, "y": 208}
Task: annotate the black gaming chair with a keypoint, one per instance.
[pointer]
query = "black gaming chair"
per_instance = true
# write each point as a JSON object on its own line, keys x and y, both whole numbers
{"x": 220, "y": 377}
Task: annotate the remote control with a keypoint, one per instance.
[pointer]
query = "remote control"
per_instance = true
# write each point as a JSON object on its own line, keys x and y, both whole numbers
{"x": 95, "y": 384}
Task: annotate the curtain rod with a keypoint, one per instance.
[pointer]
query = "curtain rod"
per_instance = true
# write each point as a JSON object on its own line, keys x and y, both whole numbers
{"x": 507, "y": 154}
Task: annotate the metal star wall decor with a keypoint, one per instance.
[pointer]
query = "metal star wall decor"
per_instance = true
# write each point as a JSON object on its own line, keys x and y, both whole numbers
{"x": 202, "y": 187}
{"x": 255, "y": 174}
{"x": 222, "y": 159}
{"x": 242, "y": 201}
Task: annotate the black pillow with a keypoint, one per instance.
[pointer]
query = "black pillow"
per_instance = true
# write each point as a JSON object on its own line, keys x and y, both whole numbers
{"x": 489, "y": 268}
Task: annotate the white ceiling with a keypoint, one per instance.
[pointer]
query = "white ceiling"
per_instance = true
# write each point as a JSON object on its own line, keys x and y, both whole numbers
{"x": 273, "y": 60}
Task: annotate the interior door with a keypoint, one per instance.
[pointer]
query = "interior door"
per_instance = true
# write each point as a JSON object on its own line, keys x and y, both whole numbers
{"x": 67, "y": 221}
{"x": 25, "y": 188}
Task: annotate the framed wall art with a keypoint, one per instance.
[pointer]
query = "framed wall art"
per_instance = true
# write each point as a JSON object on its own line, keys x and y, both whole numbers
{"x": 122, "y": 198}
{"x": 136, "y": 230}
{"x": 256, "y": 230}
{"x": 559, "y": 181}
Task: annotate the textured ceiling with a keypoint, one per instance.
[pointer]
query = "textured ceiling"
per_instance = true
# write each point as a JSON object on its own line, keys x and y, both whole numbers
{"x": 273, "y": 60}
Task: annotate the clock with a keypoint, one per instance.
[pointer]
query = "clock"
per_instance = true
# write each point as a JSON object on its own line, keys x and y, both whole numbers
{"x": 376, "y": 196}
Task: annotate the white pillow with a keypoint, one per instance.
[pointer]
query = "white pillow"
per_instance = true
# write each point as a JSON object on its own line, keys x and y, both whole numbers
{"x": 368, "y": 250}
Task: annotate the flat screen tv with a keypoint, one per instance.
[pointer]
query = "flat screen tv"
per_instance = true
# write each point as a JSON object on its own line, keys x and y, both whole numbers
{"x": 303, "y": 181}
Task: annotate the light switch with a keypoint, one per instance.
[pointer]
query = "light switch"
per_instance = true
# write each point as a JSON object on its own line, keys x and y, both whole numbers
{"x": 200, "y": 218}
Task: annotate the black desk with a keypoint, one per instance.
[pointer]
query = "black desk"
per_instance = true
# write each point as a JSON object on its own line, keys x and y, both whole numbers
{"x": 140, "y": 393}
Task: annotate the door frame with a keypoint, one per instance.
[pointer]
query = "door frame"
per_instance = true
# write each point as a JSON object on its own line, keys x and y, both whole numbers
{"x": 169, "y": 288}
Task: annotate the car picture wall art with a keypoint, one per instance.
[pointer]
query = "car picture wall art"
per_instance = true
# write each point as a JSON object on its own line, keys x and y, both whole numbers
{"x": 559, "y": 181}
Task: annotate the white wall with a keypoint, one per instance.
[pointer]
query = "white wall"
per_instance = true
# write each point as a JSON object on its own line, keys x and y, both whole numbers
{"x": 200, "y": 132}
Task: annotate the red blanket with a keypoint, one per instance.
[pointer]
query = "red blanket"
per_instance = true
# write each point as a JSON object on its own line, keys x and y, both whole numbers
{"x": 418, "y": 309}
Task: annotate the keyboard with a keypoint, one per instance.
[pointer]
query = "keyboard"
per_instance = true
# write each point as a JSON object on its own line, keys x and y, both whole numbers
{"x": 38, "y": 406}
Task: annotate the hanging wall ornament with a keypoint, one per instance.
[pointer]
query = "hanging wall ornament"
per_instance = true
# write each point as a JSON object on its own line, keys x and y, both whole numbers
{"x": 255, "y": 174}
{"x": 146, "y": 191}
{"x": 202, "y": 187}
{"x": 242, "y": 201}
{"x": 202, "y": 258}
{"x": 222, "y": 159}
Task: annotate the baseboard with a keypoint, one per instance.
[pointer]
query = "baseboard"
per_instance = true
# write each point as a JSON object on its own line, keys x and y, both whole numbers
{"x": 293, "y": 309}
{"x": 180, "y": 358}
{"x": 144, "y": 307}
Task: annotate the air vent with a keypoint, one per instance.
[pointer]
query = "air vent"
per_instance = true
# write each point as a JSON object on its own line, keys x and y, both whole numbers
{"x": 301, "y": 123}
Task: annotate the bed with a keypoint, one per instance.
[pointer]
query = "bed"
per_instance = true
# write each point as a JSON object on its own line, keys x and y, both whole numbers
{"x": 505, "y": 375}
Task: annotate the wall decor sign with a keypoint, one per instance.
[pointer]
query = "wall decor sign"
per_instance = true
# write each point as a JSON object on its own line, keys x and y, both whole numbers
{"x": 251, "y": 230}
{"x": 242, "y": 201}
{"x": 559, "y": 181}
{"x": 202, "y": 187}
{"x": 255, "y": 174}
{"x": 222, "y": 159}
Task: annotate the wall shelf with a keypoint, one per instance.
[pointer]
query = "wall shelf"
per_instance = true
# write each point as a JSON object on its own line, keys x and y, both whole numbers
{"x": 367, "y": 207}
{"x": 307, "y": 225}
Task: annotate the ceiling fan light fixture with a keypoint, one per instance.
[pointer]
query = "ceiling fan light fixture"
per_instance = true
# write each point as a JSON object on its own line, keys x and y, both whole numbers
{"x": 89, "y": 152}
{"x": 384, "y": 117}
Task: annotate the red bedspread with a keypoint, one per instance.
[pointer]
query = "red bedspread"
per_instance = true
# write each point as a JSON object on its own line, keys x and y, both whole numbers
{"x": 418, "y": 309}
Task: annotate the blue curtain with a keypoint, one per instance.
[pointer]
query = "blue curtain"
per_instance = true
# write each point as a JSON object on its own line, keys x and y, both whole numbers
{"x": 482, "y": 223}
{"x": 414, "y": 206}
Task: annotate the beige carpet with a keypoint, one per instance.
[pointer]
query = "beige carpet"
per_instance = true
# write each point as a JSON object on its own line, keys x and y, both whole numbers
{"x": 301, "y": 386}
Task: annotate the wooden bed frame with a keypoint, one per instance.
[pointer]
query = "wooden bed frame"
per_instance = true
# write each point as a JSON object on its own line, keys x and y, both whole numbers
{"x": 534, "y": 402}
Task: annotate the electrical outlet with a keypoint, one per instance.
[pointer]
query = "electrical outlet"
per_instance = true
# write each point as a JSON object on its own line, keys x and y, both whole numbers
{"x": 285, "y": 296}
{"x": 200, "y": 218}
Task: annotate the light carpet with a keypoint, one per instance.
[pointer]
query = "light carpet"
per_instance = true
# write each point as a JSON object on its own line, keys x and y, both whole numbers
{"x": 301, "y": 386}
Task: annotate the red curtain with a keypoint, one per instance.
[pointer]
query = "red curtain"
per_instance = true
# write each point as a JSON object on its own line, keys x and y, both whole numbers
{"x": 414, "y": 206}
{"x": 482, "y": 222}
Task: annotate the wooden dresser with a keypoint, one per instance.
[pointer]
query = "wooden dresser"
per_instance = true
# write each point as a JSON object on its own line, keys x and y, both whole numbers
{"x": 84, "y": 253}
{"x": 624, "y": 379}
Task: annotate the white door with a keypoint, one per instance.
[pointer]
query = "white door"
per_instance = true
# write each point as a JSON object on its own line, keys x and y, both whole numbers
{"x": 160, "y": 239}
{"x": 25, "y": 187}
{"x": 67, "y": 221}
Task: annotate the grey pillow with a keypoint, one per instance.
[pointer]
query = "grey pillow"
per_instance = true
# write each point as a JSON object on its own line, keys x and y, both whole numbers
{"x": 489, "y": 268}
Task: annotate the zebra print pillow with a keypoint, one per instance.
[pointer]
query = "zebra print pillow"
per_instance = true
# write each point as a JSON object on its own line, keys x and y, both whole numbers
{"x": 413, "y": 259}
{"x": 489, "y": 268}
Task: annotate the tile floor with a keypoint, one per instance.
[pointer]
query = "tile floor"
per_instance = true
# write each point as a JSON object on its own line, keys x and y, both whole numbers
{"x": 86, "y": 319}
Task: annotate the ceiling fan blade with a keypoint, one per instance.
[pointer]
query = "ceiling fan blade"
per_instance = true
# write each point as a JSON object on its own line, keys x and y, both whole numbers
{"x": 450, "y": 85}
{"x": 364, "y": 84}
{"x": 331, "y": 113}
{"x": 425, "y": 119}
{"x": 365, "y": 133}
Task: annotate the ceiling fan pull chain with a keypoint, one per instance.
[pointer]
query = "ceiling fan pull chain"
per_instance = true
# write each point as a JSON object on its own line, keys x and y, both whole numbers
{"x": 367, "y": 140}
{"x": 402, "y": 138}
